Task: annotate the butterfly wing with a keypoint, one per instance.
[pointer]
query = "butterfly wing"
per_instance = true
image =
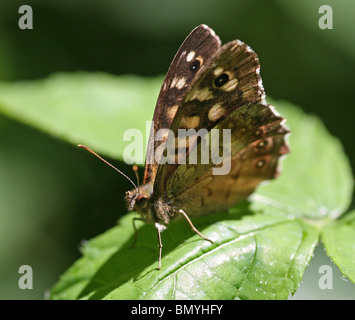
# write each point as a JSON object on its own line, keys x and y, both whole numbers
{"x": 199, "y": 46}
{"x": 227, "y": 95}
{"x": 257, "y": 142}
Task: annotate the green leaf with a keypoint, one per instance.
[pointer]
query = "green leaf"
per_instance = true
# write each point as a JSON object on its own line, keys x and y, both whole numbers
{"x": 316, "y": 180}
{"x": 261, "y": 248}
{"x": 339, "y": 240}
{"x": 245, "y": 262}
{"x": 93, "y": 109}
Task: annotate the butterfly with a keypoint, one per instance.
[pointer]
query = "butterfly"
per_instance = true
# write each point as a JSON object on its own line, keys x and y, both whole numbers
{"x": 212, "y": 87}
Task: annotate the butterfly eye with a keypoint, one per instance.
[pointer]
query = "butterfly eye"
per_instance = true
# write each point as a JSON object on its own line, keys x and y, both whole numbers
{"x": 195, "y": 65}
{"x": 221, "y": 80}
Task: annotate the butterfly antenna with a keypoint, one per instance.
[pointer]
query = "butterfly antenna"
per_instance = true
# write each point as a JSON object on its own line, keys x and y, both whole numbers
{"x": 102, "y": 159}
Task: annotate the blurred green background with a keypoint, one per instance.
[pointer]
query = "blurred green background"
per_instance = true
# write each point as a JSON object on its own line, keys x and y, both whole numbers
{"x": 53, "y": 196}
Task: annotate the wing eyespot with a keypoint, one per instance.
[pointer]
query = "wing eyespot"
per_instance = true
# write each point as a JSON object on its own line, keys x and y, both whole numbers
{"x": 195, "y": 65}
{"x": 261, "y": 163}
{"x": 221, "y": 80}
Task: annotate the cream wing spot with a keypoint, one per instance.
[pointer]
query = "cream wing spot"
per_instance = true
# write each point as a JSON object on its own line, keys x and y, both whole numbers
{"x": 201, "y": 94}
{"x": 173, "y": 82}
{"x": 230, "y": 85}
{"x": 181, "y": 83}
{"x": 190, "y": 122}
{"x": 218, "y": 71}
{"x": 190, "y": 56}
{"x": 178, "y": 83}
{"x": 172, "y": 111}
{"x": 216, "y": 112}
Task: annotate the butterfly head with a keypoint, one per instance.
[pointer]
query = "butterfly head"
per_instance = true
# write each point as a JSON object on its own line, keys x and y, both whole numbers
{"x": 138, "y": 199}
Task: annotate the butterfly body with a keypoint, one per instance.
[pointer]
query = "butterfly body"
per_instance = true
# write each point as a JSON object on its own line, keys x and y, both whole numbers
{"x": 158, "y": 210}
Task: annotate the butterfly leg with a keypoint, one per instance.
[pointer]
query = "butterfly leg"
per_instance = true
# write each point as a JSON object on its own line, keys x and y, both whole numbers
{"x": 192, "y": 226}
{"x": 135, "y": 230}
{"x": 159, "y": 230}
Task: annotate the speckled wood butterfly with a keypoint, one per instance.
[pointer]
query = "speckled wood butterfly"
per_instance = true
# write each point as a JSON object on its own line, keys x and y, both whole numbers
{"x": 212, "y": 87}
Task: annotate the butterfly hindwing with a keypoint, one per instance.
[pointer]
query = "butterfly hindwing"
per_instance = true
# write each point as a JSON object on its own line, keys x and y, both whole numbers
{"x": 257, "y": 143}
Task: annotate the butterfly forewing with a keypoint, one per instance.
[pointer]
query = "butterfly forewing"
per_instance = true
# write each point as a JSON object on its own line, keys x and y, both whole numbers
{"x": 197, "y": 49}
